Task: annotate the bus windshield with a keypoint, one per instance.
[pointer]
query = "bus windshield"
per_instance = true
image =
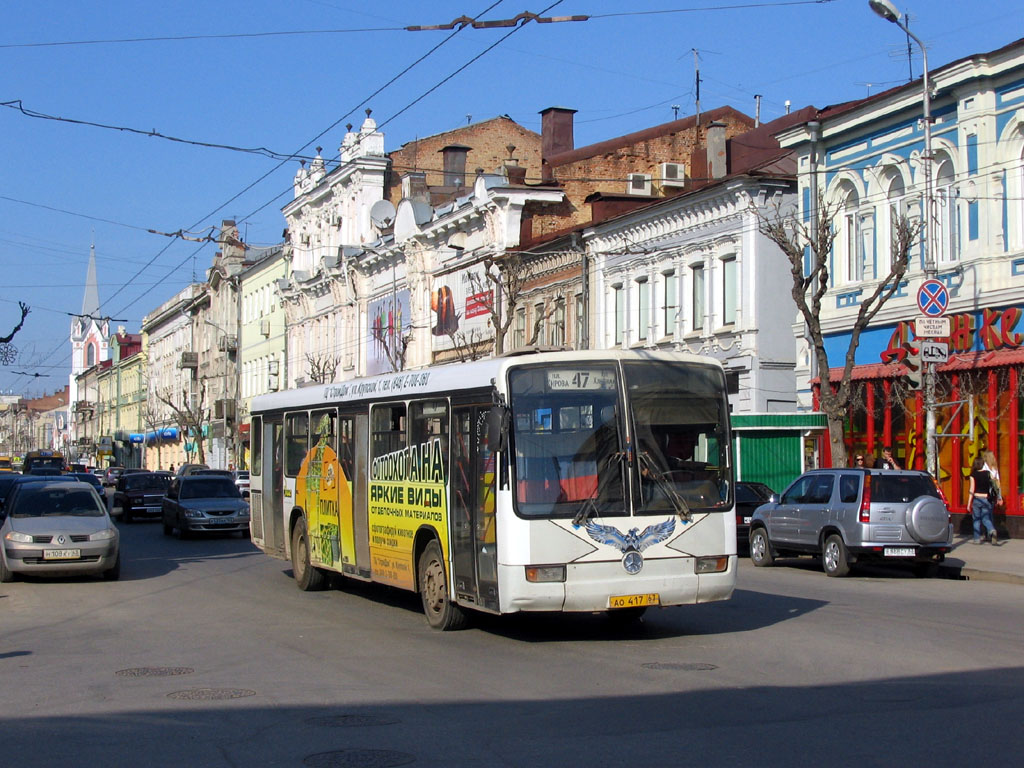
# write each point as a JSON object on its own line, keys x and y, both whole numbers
{"x": 572, "y": 455}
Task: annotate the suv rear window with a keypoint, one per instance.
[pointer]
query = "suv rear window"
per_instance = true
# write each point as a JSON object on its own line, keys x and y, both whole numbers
{"x": 902, "y": 488}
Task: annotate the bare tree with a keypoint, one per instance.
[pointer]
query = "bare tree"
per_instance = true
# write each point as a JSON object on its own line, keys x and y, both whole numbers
{"x": 191, "y": 415}
{"x": 8, "y": 354}
{"x": 468, "y": 345}
{"x": 151, "y": 417}
{"x": 322, "y": 368}
{"x": 506, "y": 276}
{"x": 811, "y": 281}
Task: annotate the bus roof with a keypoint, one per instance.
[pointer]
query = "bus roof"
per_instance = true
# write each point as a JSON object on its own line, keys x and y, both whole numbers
{"x": 448, "y": 378}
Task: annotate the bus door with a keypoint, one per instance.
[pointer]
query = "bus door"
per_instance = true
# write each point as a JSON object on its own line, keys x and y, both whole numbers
{"x": 473, "y": 485}
{"x": 273, "y": 484}
{"x": 360, "y": 475}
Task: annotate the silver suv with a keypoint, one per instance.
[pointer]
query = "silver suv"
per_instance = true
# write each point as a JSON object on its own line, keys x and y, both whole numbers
{"x": 848, "y": 515}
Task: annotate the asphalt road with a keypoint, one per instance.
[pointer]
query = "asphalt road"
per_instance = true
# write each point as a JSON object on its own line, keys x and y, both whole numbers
{"x": 205, "y": 654}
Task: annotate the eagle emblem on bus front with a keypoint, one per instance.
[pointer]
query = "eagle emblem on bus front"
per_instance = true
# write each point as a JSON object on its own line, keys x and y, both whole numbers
{"x": 631, "y": 544}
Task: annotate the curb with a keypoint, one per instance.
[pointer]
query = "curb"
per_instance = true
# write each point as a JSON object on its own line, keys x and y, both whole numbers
{"x": 964, "y": 573}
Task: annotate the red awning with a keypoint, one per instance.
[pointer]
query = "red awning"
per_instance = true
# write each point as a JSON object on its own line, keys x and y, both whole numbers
{"x": 963, "y": 361}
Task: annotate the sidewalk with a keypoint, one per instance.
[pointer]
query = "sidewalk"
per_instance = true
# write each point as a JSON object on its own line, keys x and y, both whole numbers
{"x": 985, "y": 562}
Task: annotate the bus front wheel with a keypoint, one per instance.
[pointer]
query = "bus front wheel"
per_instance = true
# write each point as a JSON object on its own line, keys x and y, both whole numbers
{"x": 441, "y": 612}
{"x": 307, "y": 577}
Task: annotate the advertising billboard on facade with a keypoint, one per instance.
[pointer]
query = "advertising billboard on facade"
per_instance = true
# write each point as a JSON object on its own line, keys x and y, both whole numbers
{"x": 460, "y": 309}
{"x": 388, "y": 319}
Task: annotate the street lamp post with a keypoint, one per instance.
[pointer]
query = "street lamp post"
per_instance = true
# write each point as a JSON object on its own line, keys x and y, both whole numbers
{"x": 888, "y": 11}
{"x": 224, "y": 400}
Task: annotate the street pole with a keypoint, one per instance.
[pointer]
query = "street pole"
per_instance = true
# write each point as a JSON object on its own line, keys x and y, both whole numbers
{"x": 888, "y": 11}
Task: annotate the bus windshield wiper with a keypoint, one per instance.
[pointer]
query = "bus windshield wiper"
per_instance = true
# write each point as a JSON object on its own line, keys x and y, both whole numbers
{"x": 675, "y": 498}
{"x": 589, "y": 507}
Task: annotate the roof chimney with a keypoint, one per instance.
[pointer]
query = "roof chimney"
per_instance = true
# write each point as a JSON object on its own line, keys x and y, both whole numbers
{"x": 455, "y": 164}
{"x": 715, "y": 145}
{"x": 556, "y": 131}
{"x": 414, "y": 187}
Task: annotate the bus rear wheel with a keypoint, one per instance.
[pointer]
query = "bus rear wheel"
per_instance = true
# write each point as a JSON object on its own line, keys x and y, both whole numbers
{"x": 440, "y": 611}
{"x": 307, "y": 577}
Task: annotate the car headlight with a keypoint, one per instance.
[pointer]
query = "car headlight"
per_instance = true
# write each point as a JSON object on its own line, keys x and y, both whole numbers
{"x": 21, "y": 538}
{"x": 193, "y": 513}
{"x": 104, "y": 535}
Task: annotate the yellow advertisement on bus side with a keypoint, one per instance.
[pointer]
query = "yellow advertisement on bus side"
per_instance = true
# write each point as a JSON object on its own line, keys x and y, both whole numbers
{"x": 326, "y": 494}
{"x": 408, "y": 490}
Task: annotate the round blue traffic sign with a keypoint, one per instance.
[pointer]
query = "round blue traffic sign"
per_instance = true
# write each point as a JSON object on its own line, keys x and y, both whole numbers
{"x": 932, "y": 298}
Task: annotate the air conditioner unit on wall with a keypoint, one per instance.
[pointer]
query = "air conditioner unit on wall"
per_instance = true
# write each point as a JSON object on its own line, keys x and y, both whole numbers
{"x": 673, "y": 175}
{"x": 638, "y": 184}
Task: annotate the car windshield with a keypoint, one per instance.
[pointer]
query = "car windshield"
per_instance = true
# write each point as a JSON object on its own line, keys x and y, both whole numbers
{"x": 901, "y": 488}
{"x": 209, "y": 487}
{"x": 752, "y": 493}
{"x": 143, "y": 482}
{"x": 45, "y": 501}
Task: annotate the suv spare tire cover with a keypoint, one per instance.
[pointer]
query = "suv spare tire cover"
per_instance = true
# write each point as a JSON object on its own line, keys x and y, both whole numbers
{"x": 928, "y": 520}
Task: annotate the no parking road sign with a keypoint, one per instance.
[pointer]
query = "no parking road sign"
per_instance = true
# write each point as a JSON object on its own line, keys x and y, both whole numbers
{"x": 932, "y": 298}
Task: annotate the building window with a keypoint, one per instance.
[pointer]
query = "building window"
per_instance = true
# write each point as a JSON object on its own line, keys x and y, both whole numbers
{"x": 729, "y": 292}
{"x": 669, "y": 308}
{"x": 643, "y": 292}
{"x": 538, "y": 324}
{"x": 519, "y": 333}
{"x": 947, "y": 236}
{"x": 557, "y": 332}
{"x": 697, "y": 300}
{"x": 619, "y": 308}
{"x": 581, "y": 320}
{"x": 850, "y": 239}
{"x": 896, "y": 195}
{"x": 90, "y": 355}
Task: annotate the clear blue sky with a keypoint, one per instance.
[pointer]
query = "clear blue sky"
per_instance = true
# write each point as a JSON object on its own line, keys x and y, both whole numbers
{"x": 65, "y": 185}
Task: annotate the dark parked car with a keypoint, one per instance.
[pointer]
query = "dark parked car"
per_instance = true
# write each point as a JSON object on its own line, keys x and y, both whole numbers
{"x": 140, "y": 494}
{"x": 190, "y": 469}
{"x": 848, "y": 515}
{"x": 204, "y": 503}
{"x": 52, "y": 526}
{"x": 91, "y": 479}
{"x": 749, "y": 496}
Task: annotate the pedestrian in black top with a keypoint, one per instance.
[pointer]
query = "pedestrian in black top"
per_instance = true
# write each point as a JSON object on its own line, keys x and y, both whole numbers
{"x": 981, "y": 507}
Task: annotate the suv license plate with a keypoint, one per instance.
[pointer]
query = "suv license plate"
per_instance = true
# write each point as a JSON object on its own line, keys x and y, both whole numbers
{"x": 898, "y": 552}
{"x": 633, "y": 601}
{"x": 61, "y": 554}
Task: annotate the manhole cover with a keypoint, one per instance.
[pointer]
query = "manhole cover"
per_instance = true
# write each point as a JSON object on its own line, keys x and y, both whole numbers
{"x": 358, "y": 758}
{"x": 211, "y": 694}
{"x": 351, "y": 721}
{"x": 154, "y": 671}
{"x": 693, "y": 666}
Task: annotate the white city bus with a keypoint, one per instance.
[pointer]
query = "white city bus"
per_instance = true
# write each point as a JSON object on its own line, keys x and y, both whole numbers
{"x": 562, "y": 481}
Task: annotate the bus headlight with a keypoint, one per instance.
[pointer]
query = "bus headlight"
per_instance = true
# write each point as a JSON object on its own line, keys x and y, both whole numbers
{"x": 712, "y": 564}
{"x": 545, "y": 573}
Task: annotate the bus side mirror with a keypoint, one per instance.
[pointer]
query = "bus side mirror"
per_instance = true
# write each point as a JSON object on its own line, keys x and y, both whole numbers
{"x": 496, "y": 421}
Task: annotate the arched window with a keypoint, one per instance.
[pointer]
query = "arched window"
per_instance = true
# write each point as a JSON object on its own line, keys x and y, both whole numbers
{"x": 895, "y": 209}
{"x": 90, "y": 355}
{"x": 947, "y": 235}
{"x": 848, "y": 242}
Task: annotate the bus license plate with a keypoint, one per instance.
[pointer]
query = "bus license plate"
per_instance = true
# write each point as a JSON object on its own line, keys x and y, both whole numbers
{"x": 61, "y": 554}
{"x": 633, "y": 601}
{"x": 898, "y": 552}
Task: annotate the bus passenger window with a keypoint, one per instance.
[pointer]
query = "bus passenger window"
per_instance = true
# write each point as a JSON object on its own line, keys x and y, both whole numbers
{"x": 297, "y": 441}
{"x": 388, "y": 429}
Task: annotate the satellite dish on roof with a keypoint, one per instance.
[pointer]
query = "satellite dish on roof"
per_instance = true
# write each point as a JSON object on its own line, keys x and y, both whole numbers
{"x": 382, "y": 214}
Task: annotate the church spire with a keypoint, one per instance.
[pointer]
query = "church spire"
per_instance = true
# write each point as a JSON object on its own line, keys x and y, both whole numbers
{"x": 91, "y": 301}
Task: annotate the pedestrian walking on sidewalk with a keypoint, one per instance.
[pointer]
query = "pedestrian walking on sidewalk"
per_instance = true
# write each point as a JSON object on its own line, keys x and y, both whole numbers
{"x": 981, "y": 506}
{"x": 993, "y": 471}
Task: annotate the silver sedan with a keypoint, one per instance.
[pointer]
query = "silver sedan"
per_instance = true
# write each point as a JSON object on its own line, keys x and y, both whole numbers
{"x": 57, "y": 528}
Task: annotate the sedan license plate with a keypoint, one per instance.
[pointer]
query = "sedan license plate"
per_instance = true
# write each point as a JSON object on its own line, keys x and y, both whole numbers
{"x": 634, "y": 601}
{"x": 898, "y": 552}
{"x": 746, "y": 520}
{"x": 61, "y": 554}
